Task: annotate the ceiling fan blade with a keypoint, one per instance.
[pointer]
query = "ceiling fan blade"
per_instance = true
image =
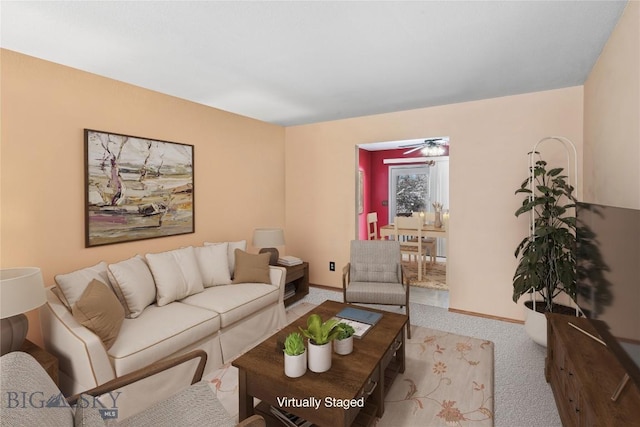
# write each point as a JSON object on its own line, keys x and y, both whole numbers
{"x": 414, "y": 149}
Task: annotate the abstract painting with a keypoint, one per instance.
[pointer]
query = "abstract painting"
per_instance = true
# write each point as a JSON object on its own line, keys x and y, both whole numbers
{"x": 136, "y": 188}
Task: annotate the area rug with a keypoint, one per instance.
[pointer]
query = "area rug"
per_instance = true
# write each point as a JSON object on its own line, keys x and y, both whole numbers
{"x": 448, "y": 381}
{"x": 435, "y": 276}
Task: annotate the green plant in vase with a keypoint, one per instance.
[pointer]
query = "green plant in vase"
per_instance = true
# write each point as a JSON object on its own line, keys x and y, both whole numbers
{"x": 547, "y": 262}
{"x": 319, "y": 332}
{"x": 320, "y": 335}
{"x": 346, "y": 331}
{"x": 294, "y": 344}
{"x": 344, "y": 340}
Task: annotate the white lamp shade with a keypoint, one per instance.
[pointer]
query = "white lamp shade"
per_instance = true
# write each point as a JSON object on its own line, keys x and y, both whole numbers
{"x": 268, "y": 237}
{"x": 21, "y": 290}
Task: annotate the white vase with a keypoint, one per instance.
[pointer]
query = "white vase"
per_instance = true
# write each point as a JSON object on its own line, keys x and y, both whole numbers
{"x": 535, "y": 324}
{"x": 319, "y": 357}
{"x": 344, "y": 346}
{"x": 295, "y": 366}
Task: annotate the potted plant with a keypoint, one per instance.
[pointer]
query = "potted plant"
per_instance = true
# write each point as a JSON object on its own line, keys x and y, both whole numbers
{"x": 320, "y": 335}
{"x": 344, "y": 340}
{"x": 547, "y": 262}
{"x": 295, "y": 357}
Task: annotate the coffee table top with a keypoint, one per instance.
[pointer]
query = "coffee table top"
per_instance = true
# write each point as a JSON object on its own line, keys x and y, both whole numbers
{"x": 348, "y": 373}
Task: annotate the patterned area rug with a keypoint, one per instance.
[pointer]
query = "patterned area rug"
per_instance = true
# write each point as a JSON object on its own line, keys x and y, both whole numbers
{"x": 448, "y": 381}
{"x": 435, "y": 277}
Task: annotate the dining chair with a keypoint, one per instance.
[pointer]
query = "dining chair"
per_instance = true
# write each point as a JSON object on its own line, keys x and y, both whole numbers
{"x": 375, "y": 275}
{"x": 408, "y": 232}
{"x": 429, "y": 242}
{"x": 372, "y": 226}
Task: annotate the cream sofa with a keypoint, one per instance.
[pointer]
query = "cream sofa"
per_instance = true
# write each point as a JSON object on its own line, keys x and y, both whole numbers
{"x": 206, "y": 311}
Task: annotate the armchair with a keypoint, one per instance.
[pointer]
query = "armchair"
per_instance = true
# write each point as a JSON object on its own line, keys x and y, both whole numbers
{"x": 30, "y": 397}
{"x": 375, "y": 275}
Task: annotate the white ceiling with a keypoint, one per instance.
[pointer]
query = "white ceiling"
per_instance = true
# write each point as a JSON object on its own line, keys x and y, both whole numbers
{"x": 302, "y": 62}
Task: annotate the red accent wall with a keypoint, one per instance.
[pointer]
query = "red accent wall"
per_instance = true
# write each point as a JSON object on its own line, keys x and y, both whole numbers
{"x": 376, "y": 186}
{"x": 364, "y": 165}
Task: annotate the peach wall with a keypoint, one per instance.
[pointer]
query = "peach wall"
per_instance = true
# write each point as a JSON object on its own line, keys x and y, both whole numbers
{"x": 488, "y": 161}
{"x": 612, "y": 117}
{"x": 239, "y": 164}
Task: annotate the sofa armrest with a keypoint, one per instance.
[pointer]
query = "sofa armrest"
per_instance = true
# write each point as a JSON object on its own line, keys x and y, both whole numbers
{"x": 147, "y": 372}
{"x": 278, "y": 276}
{"x": 81, "y": 355}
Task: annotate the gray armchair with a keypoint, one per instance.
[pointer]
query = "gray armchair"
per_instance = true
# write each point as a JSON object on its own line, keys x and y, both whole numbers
{"x": 31, "y": 398}
{"x": 375, "y": 275}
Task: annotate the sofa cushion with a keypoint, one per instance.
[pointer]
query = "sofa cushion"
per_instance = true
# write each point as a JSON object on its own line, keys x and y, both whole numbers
{"x": 160, "y": 332}
{"x": 176, "y": 274}
{"x": 214, "y": 265}
{"x": 99, "y": 310}
{"x": 73, "y": 284}
{"x": 234, "y": 302}
{"x": 133, "y": 284}
{"x": 251, "y": 268}
{"x": 231, "y": 255}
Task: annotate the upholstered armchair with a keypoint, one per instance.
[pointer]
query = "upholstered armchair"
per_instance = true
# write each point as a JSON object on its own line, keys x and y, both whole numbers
{"x": 31, "y": 398}
{"x": 374, "y": 275}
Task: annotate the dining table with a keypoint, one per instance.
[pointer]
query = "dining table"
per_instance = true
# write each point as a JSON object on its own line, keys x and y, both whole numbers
{"x": 428, "y": 230}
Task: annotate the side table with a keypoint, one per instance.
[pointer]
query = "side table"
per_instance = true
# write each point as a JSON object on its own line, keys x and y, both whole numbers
{"x": 47, "y": 360}
{"x": 296, "y": 282}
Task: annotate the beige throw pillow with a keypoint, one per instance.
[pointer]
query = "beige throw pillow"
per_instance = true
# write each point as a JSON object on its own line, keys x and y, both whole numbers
{"x": 133, "y": 284}
{"x": 231, "y": 249}
{"x": 73, "y": 284}
{"x": 251, "y": 268}
{"x": 212, "y": 261}
{"x": 99, "y": 310}
{"x": 176, "y": 274}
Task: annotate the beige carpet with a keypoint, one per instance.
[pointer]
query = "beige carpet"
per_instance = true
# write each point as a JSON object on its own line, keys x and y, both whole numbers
{"x": 435, "y": 276}
{"x": 448, "y": 381}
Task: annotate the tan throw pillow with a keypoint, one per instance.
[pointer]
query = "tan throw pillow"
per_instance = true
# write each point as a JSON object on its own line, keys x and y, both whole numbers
{"x": 251, "y": 268}
{"x": 99, "y": 310}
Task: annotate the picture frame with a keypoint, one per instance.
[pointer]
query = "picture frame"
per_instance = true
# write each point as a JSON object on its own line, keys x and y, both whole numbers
{"x": 136, "y": 188}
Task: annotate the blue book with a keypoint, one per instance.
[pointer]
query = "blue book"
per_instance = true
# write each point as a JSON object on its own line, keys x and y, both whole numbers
{"x": 359, "y": 315}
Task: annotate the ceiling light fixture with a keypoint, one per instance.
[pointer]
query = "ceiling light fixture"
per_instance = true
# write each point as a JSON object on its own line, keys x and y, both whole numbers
{"x": 433, "y": 149}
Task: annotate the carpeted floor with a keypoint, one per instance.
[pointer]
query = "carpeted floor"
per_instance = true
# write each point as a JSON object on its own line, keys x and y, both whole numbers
{"x": 433, "y": 277}
{"x": 448, "y": 381}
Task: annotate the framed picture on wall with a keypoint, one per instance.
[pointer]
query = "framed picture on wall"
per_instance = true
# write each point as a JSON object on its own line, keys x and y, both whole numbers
{"x": 136, "y": 188}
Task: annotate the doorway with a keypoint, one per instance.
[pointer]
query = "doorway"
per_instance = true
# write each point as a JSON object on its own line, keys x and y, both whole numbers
{"x": 415, "y": 188}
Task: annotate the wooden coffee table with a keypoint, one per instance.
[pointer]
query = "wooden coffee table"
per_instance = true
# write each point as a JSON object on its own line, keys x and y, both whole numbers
{"x": 367, "y": 372}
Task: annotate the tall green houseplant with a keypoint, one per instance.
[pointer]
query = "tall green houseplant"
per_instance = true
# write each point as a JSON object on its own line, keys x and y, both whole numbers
{"x": 547, "y": 262}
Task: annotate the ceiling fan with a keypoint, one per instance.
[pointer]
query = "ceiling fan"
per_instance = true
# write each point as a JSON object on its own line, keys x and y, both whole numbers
{"x": 430, "y": 147}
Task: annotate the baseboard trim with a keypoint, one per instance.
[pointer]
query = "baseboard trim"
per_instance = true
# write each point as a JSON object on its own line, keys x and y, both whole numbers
{"x": 453, "y": 310}
{"x": 486, "y": 316}
{"x": 326, "y": 288}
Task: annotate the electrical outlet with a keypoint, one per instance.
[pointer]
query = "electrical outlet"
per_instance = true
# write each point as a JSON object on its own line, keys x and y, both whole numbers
{"x": 332, "y": 266}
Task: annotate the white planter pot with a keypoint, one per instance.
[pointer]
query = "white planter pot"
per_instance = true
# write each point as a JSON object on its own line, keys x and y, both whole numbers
{"x": 319, "y": 357}
{"x": 535, "y": 324}
{"x": 344, "y": 346}
{"x": 295, "y": 366}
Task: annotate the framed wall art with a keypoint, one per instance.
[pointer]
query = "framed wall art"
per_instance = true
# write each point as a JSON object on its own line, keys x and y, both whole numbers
{"x": 136, "y": 188}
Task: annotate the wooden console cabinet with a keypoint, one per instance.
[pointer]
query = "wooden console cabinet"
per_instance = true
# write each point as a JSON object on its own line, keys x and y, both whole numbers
{"x": 584, "y": 374}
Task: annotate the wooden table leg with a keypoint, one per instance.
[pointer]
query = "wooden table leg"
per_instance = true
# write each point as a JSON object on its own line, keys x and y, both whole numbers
{"x": 245, "y": 402}
{"x": 400, "y": 354}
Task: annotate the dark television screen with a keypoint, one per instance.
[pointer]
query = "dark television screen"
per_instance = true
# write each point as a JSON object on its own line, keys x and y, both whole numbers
{"x": 608, "y": 260}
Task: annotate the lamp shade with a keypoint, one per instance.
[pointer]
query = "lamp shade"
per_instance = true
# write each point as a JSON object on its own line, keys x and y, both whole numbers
{"x": 268, "y": 237}
{"x": 21, "y": 290}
